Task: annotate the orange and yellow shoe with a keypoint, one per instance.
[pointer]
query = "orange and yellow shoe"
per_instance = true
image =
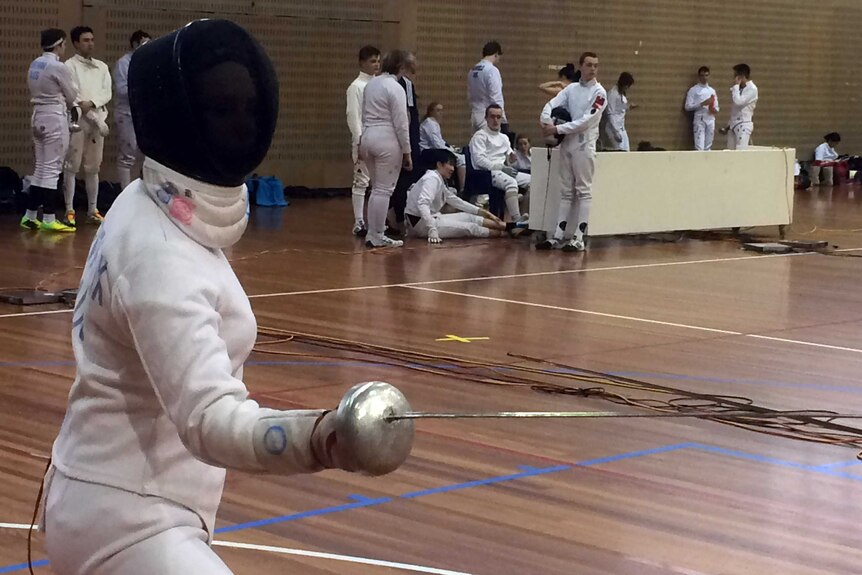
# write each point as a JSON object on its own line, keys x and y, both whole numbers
{"x": 95, "y": 218}
{"x": 69, "y": 220}
{"x": 29, "y": 224}
{"x": 55, "y": 226}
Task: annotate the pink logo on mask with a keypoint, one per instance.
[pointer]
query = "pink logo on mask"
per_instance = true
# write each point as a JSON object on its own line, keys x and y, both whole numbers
{"x": 182, "y": 209}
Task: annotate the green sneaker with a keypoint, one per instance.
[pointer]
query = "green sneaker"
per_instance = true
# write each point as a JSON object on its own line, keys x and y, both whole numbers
{"x": 29, "y": 224}
{"x": 55, "y": 226}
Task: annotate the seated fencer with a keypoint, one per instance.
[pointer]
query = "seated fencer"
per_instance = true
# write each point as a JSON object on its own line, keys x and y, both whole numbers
{"x": 162, "y": 328}
{"x": 491, "y": 150}
{"x": 431, "y": 138}
{"x": 427, "y": 197}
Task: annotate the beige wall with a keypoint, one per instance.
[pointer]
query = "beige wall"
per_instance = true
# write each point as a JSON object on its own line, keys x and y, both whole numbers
{"x": 805, "y": 62}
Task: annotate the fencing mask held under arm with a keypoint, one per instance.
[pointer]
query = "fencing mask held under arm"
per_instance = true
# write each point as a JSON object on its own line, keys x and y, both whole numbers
{"x": 559, "y": 115}
{"x": 204, "y": 101}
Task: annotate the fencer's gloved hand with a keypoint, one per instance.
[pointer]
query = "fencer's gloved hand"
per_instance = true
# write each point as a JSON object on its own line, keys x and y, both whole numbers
{"x": 324, "y": 444}
{"x": 434, "y": 236}
{"x": 510, "y": 171}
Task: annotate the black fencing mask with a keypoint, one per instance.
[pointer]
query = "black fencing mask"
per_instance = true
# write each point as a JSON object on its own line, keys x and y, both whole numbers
{"x": 560, "y": 115}
{"x": 204, "y": 101}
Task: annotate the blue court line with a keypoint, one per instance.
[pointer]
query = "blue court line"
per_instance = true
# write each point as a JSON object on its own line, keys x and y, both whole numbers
{"x": 660, "y": 376}
{"x": 838, "y": 464}
{"x": 528, "y": 471}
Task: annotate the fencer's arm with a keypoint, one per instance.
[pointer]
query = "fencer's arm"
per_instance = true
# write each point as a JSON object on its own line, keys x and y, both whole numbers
{"x": 715, "y": 102}
{"x": 67, "y": 85}
{"x": 121, "y": 73}
{"x": 462, "y": 206}
{"x": 590, "y": 119}
{"x": 175, "y": 329}
{"x": 555, "y": 102}
{"x": 425, "y": 189}
{"x": 748, "y": 95}
{"x": 495, "y": 90}
{"x": 691, "y": 102}
{"x": 104, "y": 93}
{"x": 436, "y": 136}
{"x": 479, "y": 153}
{"x": 354, "y": 113}
{"x": 400, "y": 119}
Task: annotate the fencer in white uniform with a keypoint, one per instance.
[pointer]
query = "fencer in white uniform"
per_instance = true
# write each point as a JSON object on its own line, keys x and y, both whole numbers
{"x": 485, "y": 86}
{"x": 618, "y": 106}
{"x": 385, "y": 144}
{"x": 491, "y": 150}
{"x": 585, "y": 101}
{"x": 52, "y": 93}
{"x": 162, "y": 327}
{"x": 702, "y": 101}
{"x": 426, "y": 198}
{"x": 825, "y": 158}
{"x": 127, "y": 145}
{"x": 93, "y": 80}
{"x": 369, "y": 66}
{"x": 744, "y": 96}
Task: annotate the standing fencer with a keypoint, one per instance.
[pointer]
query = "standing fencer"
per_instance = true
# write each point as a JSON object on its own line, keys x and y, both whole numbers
{"x": 485, "y": 86}
{"x": 702, "y": 101}
{"x": 162, "y": 328}
{"x": 427, "y": 197}
{"x": 618, "y": 105}
{"x": 385, "y": 144}
{"x": 369, "y": 66}
{"x": 585, "y": 101}
{"x": 491, "y": 150}
{"x": 744, "y": 95}
{"x": 93, "y": 80}
{"x": 127, "y": 144}
{"x": 52, "y": 93}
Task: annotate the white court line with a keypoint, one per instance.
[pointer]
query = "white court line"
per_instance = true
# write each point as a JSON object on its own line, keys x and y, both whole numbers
{"x": 347, "y": 558}
{"x": 483, "y": 278}
{"x": 640, "y": 319}
{"x": 303, "y": 553}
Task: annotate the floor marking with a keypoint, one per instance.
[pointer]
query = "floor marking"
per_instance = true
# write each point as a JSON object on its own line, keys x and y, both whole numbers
{"x": 641, "y": 320}
{"x": 460, "y": 339}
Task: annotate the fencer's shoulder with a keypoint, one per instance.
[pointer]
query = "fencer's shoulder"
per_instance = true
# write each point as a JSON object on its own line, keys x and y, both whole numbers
{"x": 599, "y": 89}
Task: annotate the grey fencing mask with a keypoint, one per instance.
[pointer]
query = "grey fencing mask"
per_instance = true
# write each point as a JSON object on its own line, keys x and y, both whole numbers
{"x": 204, "y": 101}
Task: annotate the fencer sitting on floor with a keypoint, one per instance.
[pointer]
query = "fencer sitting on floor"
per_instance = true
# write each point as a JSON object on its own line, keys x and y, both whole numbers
{"x": 427, "y": 197}
{"x": 491, "y": 150}
{"x": 162, "y": 328}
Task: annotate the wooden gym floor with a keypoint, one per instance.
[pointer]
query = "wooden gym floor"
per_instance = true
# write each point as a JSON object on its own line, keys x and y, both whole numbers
{"x": 644, "y": 497}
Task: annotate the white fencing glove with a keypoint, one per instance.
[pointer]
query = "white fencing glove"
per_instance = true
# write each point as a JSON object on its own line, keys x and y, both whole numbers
{"x": 434, "y": 236}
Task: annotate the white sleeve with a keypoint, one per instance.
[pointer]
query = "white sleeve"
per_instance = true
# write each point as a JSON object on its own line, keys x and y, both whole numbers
{"x": 121, "y": 76}
{"x": 559, "y": 100}
{"x": 354, "y": 113}
{"x": 495, "y": 89}
{"x": 691, "y": 103}
{"x": 104, "y": 93}
{"x": 462, "y": 206}
{"x": 479, "y": 153}
{"x": 590, "y": 119}
{"x": 714, "y": 93}
{"x": 747, "y": 96}
{"x": 435, "y": 135}
{"x": 67, "y": 85}
{"x": 398, "y": 113}
{"x": 170, "y": 310}
{"x": 424, "y": 190}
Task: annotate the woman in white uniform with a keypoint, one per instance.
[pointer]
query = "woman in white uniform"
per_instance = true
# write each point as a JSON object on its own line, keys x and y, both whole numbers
{"x": 162, "y": 327}
{"x": 618, "y": 105}
{"x": 385, "y": 142}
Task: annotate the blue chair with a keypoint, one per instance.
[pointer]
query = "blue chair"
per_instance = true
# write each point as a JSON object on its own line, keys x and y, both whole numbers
{"x": 478, "y": 182}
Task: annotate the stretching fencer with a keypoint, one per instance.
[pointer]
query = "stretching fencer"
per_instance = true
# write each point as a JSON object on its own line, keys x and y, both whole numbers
{"x": 52, "y": 93}
{"x": 702, "y": 101}
{"x": 585, "y": 101}
{"x": 744, "y": 95}
{"x": 385, "y": 144}
{"x": 162, "y": 328}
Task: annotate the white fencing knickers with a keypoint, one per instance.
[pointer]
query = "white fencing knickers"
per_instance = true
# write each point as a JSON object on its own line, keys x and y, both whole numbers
{"x": 510, "y": 186}
{"x": 460, "y": 225}
{"x": 96, "y": 529}
{"x": 51, "y": 142}
{"x": 382, "y": 154}
{"x": 127, "y": 147}
{"x": 704, "y": 132}
{"x": 87, "y": 146}
{"x": 361, "y": 180}
{"x": 739, "y": 135}
{"x": 577, "y": 166}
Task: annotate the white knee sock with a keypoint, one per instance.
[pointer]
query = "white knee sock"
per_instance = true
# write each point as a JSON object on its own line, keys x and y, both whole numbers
{"x": 582, "y": 216}
{"x": 378, "y": 205}
{"x": 69, "y": 190}
{"x": 358, "y": 207}
{"x": 32, "y": 215}
{"x": 563, "y": 215}
{"x": 512, "y": 205}
{"x": 92, "y": 181}
{"x": 125, "y": 175}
